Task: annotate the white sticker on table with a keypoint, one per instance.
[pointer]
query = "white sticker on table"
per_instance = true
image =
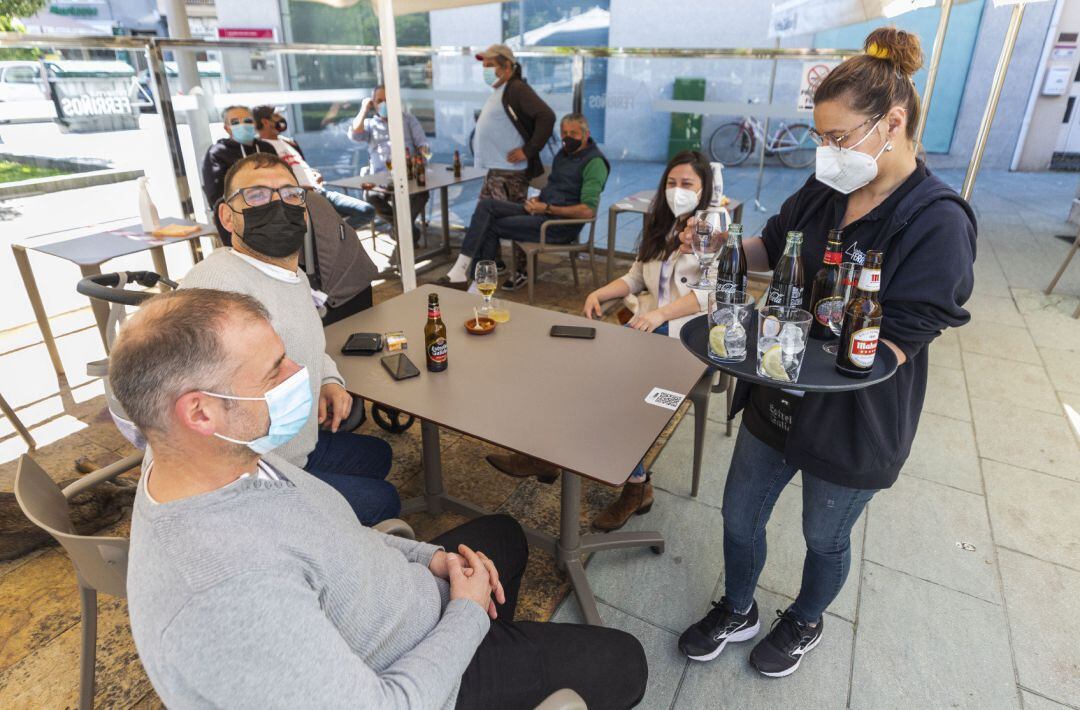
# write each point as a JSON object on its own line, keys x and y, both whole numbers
{"x": 665, "y": 398}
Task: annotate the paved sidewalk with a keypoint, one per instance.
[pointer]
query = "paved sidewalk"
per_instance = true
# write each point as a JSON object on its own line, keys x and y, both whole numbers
{"x": 964, "y": 590}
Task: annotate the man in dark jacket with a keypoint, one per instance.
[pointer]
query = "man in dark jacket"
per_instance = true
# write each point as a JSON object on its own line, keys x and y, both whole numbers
{"x": 241, "y": 142}
{"x": 512, "y": 129}
{"x": 578, "y": 175}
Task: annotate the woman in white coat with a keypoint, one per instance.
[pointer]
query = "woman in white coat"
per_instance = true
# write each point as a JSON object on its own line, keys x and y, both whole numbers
{"x": 656, "y": 290}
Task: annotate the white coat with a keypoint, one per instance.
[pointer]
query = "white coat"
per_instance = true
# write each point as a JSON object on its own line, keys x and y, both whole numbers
{"x": 644, "y": 282}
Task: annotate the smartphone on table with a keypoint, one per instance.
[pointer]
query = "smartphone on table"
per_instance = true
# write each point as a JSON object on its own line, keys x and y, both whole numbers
{"x": 572, "y": 331}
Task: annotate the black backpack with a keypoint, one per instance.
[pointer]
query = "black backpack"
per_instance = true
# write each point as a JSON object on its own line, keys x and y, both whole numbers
{"x": 333, "y": 257}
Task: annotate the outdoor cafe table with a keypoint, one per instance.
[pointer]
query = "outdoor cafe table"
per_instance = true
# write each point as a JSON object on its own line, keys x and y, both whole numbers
{"x": 89, "y": 252}
{"x": 439, "y": 176}
{"x": 578, "y": 404}
{"x": 639, "y": 202}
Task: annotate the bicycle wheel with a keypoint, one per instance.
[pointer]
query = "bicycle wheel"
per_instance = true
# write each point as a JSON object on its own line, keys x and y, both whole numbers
{"x": 731, "y": 144}
{"x": 794, "y": 146}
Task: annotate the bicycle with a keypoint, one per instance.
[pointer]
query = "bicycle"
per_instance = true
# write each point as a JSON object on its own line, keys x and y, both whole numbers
{"x": 733, "y": 142}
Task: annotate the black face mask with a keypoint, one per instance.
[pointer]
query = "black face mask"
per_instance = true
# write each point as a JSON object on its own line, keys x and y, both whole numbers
{"x": 282, "y": 126}
{"x": 275, "y": 229}
{"x": 570, "y": 145}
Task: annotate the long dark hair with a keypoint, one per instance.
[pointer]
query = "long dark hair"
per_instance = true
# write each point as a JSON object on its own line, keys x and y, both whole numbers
{"x": 660, "y": 219}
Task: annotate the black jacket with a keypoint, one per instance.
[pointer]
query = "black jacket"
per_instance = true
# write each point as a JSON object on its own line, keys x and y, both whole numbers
{"x": 533, "y": 119}
{"x": 862, "y": 438}
{"x": 219, "y": 158}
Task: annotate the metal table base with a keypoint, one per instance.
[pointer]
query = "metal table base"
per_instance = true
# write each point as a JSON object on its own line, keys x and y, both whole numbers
{"x": 569, "y": 549}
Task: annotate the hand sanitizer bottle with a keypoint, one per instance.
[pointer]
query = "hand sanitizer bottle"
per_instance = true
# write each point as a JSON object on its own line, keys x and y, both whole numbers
{"x": 147, "y": 211}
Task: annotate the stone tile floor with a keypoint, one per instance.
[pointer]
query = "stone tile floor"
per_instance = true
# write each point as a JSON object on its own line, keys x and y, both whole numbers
{"x": 965, "y": 583}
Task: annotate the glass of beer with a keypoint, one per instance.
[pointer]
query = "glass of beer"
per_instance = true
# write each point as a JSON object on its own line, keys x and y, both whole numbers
{"x": 781, "y": 345}
{"x": 487, "y": 280}
{"x": 499, "y": 311}
{"x": 843, "y": 290}
{"x": 729, "y": 320}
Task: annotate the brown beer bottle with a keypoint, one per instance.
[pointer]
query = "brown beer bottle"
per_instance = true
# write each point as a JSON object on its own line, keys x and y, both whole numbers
{"x": 408, "y": 164}
{"x": 862, "y": 322}
{"x": 421, "y": 172}
{"x": 787, "y": 283}
{"x": 435, "y": 336}
{"x": 457, "y": 164}
{"x": 822, "y": 302}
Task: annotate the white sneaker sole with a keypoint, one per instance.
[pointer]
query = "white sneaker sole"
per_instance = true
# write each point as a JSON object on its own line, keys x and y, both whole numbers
{"x": 744, "y": 635}
{"x": 795, "y": 667}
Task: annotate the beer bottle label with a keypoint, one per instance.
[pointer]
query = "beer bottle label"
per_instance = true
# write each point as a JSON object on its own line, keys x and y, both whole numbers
{"x": 434, "y": 312}
{"x": 863, "y": 346}
{"x": 437, "y": 350}
{"x": 825, "y": 307}
{"x": 833, "y": 257}
{"x": 870, "y": 279}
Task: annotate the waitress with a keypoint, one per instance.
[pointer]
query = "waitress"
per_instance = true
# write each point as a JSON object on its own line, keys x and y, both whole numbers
{"x": 870, "y": 183}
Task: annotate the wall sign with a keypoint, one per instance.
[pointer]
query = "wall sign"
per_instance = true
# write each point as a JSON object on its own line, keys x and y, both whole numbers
{"x": 813, "y": 73}
{"x": 246, "y": 33}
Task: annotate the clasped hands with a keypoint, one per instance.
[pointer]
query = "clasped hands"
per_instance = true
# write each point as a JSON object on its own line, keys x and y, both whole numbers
{"x": 472, "y": 575}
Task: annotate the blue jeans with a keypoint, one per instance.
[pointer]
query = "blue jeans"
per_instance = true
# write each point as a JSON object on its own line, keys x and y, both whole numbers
{"x": 354, "y": 211}
{"x": 639, "y": 471}
{"x": 356, "y": 466}
{"x": 493, "y": 220}
{"x": 756, "y": 477}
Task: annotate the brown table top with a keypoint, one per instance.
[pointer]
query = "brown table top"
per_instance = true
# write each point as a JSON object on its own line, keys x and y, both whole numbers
{"x": 96, "y": 249}
{"x": 579, "y": 404}
{"x": 438, "y": 175}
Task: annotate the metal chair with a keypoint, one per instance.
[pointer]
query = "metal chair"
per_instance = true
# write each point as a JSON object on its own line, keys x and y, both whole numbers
{"x": 533, "y": 249}
{"x": 1057, "y": 277}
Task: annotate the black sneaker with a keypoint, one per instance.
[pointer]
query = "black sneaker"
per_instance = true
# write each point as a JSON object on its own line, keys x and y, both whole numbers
{"x": 517, "y": 280}
{"x": 706, "y": 639}
{"x": 781, "y": 651}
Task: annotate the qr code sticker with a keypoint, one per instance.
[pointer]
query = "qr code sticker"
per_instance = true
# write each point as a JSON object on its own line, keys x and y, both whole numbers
{"x": 665, "y": 398}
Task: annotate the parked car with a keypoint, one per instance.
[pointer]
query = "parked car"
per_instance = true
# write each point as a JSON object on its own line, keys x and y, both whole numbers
{"x": 22, "y": 81}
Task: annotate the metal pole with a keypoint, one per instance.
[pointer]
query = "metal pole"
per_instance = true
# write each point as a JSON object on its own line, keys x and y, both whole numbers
{"x": 178, "y": 28}
{"x": 578, "y": 72}
{"x": 395, "y": 116}
{"x": 992, "y": 101}
{"x": 765, "y": 139}
{"x": 168, "y": 125}
{"x": 931, "y": 72}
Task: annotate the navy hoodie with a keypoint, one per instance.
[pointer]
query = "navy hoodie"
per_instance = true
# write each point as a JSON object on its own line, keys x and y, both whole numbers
{"x": 219, "y": 158}
{"x": 862, "y": 438}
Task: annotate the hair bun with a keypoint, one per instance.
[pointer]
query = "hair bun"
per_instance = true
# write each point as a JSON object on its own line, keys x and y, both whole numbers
{"x": 897, "y": 47}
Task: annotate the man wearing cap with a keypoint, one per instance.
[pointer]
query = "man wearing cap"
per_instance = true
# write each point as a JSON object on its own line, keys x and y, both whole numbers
{"x": 512, "y": 129}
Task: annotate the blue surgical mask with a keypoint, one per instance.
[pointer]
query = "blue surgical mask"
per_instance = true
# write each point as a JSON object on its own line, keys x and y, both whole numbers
{"x": 244, "y": 133}
{"x": 290, "y": 406}
{"x": 382, "y": 109}
{"x": 490, "y": 77}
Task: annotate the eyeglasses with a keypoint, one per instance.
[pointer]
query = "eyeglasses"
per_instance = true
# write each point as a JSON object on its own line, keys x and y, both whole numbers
{"x": 238, "y": 121}
{"x": 258, "y": 195}
{"x": 823, "y": 139}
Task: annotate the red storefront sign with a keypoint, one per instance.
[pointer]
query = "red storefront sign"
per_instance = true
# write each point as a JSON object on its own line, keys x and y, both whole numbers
{"x": 265, "y": 33}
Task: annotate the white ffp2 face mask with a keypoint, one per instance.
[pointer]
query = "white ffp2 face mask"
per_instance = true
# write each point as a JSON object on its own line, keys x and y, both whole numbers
{"x": 846, "y": 169}
{"x": 681, "y": 200}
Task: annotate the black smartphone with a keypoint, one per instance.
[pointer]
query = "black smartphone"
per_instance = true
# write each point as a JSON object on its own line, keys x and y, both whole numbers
{"x": 572, "y": 331}
{"x": 400, "y": 366}
{"x": 363, "y": 344}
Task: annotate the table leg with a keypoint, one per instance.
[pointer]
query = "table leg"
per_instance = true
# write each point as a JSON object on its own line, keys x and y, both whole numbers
{"x": 9, "y": 412}
{"x": 100, "y": 308}
{"x": 444, "y": 206}
{"x": 435, "y": 498}
{"x": 196, "y": 249}
{"x": 699, "y": 395}
{"x": 612, "y": 218}
{"x": 158, "y": 255}
{"x": 30, "y": 283}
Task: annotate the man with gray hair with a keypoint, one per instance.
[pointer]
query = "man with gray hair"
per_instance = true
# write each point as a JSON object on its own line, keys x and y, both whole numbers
{"x": 577, "y": 178}
{"x": 251, "y": 584}
{"x": 240, "y": 142}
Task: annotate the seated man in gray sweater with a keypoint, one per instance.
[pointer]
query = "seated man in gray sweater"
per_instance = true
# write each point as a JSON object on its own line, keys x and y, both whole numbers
{"x": 252, "y": 585}
{"x": 263, "y": 210}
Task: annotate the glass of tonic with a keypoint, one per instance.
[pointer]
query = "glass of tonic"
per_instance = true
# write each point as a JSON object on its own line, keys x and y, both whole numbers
{"x": 781, "y": 345}
{"x": 729, "y": 321}
{"x": 843, "y": 290}
{"x": 486, "y": 278}
{"x": 710, "y": 233}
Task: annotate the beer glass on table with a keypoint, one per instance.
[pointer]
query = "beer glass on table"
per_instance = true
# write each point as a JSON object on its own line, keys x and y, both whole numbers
{"x": 781, "y": 345}
{"x": 487, "y": 280}
{"x": 843, "y": 290}
{"x": 710, "y": 233}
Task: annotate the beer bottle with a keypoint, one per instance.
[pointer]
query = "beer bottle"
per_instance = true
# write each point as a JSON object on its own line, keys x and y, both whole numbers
{"x": 457, "y": 164}
{"x": 822, "y": 301}
{"x": 787, "y": 283}
{"x": 862, "y": 322}
{"x": 731, "y": 263}
{"x": 421, "y": 172}
{"x": 435, "y": 336}
{"x": 408, "y": 164}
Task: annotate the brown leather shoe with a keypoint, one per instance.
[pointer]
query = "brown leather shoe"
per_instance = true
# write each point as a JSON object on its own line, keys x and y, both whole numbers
{"x": 635, "y": 499}
{"x": 521, "y": 466}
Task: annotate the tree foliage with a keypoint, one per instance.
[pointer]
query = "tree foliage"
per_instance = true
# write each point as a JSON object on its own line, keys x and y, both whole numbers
{"x": 19, "y": 8}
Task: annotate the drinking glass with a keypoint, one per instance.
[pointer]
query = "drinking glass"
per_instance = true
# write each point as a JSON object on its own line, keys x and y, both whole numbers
{"x": 499, "y": 311}
{"x": 487, "y": 280}
{"x": 729, "y": 321}
{"x": 843, "y": 290}
{"x": 710, "y": 232}
{"x": 781, "y": 345}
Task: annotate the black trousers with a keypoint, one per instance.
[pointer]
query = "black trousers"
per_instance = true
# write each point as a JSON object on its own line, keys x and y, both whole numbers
{"x": 520, "y": 663}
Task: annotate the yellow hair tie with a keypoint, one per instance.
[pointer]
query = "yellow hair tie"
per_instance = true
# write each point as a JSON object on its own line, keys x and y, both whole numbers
{"x": 877, "y": 52}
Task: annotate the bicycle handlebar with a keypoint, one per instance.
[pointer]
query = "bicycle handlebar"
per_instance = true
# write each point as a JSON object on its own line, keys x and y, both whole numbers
{"x": 106, "y": 287}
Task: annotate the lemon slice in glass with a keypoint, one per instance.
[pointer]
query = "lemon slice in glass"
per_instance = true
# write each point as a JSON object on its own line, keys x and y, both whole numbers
{"x": 772, "y": 363}
{"x": 716, "y": 340}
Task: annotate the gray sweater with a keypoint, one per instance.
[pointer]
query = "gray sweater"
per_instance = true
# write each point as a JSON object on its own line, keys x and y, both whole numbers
{"x": 293, "y": 315}
{"x": 270, "y": 594}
